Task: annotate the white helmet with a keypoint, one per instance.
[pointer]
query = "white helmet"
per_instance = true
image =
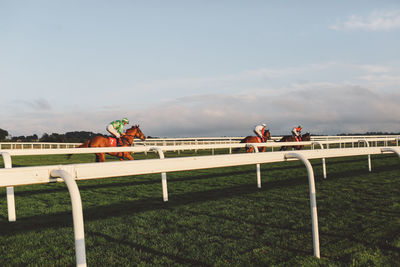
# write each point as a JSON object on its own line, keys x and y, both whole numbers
{"x": 264, "y": 124}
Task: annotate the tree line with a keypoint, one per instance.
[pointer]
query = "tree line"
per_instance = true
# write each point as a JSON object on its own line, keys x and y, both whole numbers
{"x": 82, "y": 136}
{"x": 68, "y": 137}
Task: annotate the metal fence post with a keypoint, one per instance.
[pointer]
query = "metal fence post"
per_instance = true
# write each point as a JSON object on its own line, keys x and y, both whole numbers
{"x": 77, "y": 215}
{"x": 313, "y": 200}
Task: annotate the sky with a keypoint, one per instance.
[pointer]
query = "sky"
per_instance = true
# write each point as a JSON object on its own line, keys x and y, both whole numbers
{"x": 182, "y": 68}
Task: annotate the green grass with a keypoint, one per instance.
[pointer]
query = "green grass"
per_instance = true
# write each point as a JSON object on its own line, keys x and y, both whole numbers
{"x": 214, "y": 217}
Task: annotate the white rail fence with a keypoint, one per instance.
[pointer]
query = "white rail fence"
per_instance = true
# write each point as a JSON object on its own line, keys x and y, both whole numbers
{"x": 185, "y": 141}
{"x": 6, "y": 154}
{"x": 10, "y": 177}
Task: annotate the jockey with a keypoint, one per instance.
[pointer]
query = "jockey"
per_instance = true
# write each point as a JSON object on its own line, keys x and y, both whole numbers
{"x": 259, "y": 130}
{"x": 296, "y": 132}
{"x": 115, "y": 128}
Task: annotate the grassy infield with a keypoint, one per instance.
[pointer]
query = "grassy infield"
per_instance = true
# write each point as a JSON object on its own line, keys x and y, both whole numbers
{"x": 214, "y": 217}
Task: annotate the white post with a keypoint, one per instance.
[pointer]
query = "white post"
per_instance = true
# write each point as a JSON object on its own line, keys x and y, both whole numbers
{"x": 313, "y": 200}
{"x": 12, "y": 217}
{"x": 258, "y": 170}
{"x": 323, "y": 159}
{"x": 391, "y": 149}
{"x": 369, "y": 156}
{"x": 163, "y": 174}
{"x": 77, "y": 215}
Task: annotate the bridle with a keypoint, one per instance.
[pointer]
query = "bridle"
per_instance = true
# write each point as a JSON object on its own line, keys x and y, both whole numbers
{"x": 267, "y": 134}
{"x": 128, "y": 141}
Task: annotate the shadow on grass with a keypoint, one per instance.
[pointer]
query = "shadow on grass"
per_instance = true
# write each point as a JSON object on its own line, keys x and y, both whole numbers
{"x": 63, "y": 219}
{"x": 146, "y": 249}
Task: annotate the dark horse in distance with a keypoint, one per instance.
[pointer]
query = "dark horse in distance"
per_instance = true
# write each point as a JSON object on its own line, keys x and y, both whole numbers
{"x": 256, "y": 139}
{"x": 291, "y": 138}
{"x": 126, "y": 139}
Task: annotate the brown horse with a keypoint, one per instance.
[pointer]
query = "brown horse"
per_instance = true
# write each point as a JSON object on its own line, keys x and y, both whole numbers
{"x": 126, "y": 139}
{"x": 256, "y": 139}
{"x": 291, "y": 138}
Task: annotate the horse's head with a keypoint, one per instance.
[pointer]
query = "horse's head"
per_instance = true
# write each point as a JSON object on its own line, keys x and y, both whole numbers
{"x": 267, "y": 134}
{"x": 135, "y": 132}
{"x": 306, "y": 137}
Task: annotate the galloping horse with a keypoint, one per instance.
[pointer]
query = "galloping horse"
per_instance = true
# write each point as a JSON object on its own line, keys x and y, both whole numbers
{"x": 291, "y": 138}
{"x": 256, "y": 139}
{"x": 126, "y": 139}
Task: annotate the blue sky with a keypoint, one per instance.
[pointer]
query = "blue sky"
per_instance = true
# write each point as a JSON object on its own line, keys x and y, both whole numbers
{"x": 200, "y": 68}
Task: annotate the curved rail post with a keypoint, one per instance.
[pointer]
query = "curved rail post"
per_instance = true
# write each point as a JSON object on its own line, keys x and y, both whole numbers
{"x": 369, "y": 156}
{"x": 258, "y": 170}
{"x": 163, "y": 174}
{"x": 391, "y": 149}
{"x": 323, "y": 159}
{"x": 313, "y": 200}
{"x": 77, "y": 215}
{"x": 12, "y": 217}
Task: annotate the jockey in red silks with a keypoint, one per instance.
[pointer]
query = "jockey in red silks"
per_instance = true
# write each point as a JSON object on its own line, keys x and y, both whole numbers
{"x": 296, "y": 132}
{"x": 259, "y": 130}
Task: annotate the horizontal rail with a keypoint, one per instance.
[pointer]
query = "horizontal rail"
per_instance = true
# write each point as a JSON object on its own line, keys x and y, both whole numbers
{"x": 29, "y": 152}
{"x": 41, "y": 174}
{"x": 176, "y": 141}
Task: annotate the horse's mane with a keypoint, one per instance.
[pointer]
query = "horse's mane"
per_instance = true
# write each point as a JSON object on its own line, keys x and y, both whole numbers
{"x": 134, "y": 127}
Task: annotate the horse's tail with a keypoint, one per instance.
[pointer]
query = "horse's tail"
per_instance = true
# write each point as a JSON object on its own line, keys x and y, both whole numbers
{"x": 86, "y": 144}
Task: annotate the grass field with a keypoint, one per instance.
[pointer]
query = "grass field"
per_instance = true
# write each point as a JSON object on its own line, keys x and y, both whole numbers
{"x": 214, "y": 217}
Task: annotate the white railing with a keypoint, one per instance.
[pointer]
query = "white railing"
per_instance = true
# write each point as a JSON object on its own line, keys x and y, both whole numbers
{"x": 6, "y": 154}
{"x": 144, "y": 147}
{"x": 184, "y": 141}
{"x": 36, "y": 145}
{"x": 10, "y": 177}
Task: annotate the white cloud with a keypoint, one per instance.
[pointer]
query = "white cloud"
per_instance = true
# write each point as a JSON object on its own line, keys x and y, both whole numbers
{"x": 365, "y": 98}
{"x": 377, "y": 21}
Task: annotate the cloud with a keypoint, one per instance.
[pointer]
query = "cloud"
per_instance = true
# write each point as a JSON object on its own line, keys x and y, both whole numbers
{"x": 365, "y": 98}
{"x": 40, "y": 104}
{"x": 321, "y": 109}
{"x": 377, "y": 21}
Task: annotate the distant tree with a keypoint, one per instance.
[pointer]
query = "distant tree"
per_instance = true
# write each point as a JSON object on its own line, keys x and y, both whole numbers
{"x": 79, "y": 136}
{"x": 3, "y": 134}
{"x": 18, "y": 138}
{"x": 44, "y": 137}
{"x": 32, "y": 138}
{"x": 54, "y": 137}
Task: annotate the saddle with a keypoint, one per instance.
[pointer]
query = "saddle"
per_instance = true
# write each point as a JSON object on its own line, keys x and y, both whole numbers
{"x": 259, "y": 139}
{"x": 113, "y": 141}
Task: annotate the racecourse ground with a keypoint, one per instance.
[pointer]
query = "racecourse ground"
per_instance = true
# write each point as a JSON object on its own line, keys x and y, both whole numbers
{"x": 214, "y": 217}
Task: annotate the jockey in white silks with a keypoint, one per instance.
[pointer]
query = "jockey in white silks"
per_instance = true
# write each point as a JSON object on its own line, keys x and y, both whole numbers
{"x": 259, "y": 131}
{"x": 296, "y": 132}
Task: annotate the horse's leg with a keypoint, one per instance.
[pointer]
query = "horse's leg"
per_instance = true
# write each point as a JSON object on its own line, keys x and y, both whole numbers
{"x": 128, "y": 156}
{"x": 100, "y": 157}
